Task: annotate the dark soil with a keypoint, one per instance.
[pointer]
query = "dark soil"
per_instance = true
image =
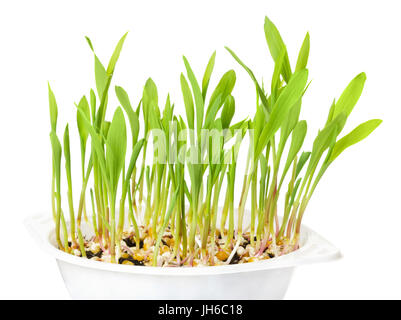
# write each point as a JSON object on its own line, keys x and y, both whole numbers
{"x": 135, "y": 262}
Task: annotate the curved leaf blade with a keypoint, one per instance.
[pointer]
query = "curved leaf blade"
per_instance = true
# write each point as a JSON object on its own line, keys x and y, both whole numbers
{"x": 116, "y": 144}
{"x": 223, "y": 88}
{"x": 188, "y": 101}
{"x": 116, "y": 55}
{"x": 356, "y": 135}
{"x": 208, "y": 74}
{"x": 303, "y": 54}
{"x": 276, "y": 46}
{"x": 84, "y": 106}
{"x": 350, "y": 95}
{"x": 197, "y": 96}
{"x": 132, "y": 116}
{"x": 53, "y": 109}
{"x": 251, "y": 74}
{"x": 228, "y": 111}
{"x": 297, "y": 140}
{"x": 290, "y": 95}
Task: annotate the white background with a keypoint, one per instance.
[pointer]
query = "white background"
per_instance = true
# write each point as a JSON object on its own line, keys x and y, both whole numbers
{"x": 356, "y": 206}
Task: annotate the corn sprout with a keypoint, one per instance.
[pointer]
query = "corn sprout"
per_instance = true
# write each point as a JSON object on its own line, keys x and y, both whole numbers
{"x": 166, "y": 212}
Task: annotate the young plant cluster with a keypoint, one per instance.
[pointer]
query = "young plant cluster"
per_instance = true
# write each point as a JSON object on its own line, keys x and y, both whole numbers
{"x": 171, "y": 204}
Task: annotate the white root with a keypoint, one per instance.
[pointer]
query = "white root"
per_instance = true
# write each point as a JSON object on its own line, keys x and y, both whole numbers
{"x": 234, "y": 251}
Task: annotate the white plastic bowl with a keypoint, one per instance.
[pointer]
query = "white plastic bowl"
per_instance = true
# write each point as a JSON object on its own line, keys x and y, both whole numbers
{"x": 268, "y": 279}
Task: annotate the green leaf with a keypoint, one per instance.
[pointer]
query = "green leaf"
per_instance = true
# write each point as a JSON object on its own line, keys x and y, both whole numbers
{"x": 97, "y": 146}
{"x": 56, "y": 152}
{"x": 101, "y": 77}
{"x": 294, "y": 192}
{"x": 154, "y": 120}
{"x": 106, "y": 127}
{"x": 67, "y": 155}
{"x": 83, "y": 132}
{"x": 331, "y": 112}
{"x": 298, "y": 137}
{"x": 350, "y": 95}
{"x": 89, "y": 43}
{"x": 188, "y": 101}
{"x": 223, "y": 88}
{"x": 197, "y": 95}
{"x": 301, "y": 162}
{"x": 103, "y": 80}
{"x": 167, "y": 118}
{"x": 324, "y": 140}
{"x": 207, "y": 75}
{"x": 211, "y": 114}
{"x": 303, "y": 54}
{"x": 289, "y": 124}
{"x": 278, "y": 67}
{"x": 93, "y": 105}
{"x": 53, "y": 109}
{"x": 263, "y": 167}
{"x": 276, "y": 46}
{"x": 116, "y": 55}
{"x": 132, "y": 116}
{"x": 289, "y": 96}
{"x": 116, "y": 144}
{"x": 134, "y": 156}
{"x": 149, "y": 99}
{"x": 228, "y": 111}
{"x": 258, "y": 123}
{"x": 249, "y": 71}
{"x": 356, "y": 135}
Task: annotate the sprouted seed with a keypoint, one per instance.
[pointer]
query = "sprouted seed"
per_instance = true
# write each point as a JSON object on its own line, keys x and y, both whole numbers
{"x": 166, "y": 212}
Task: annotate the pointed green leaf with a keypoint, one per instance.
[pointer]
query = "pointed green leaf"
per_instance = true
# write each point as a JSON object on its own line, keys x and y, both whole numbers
{"x": 228, "y": 111}
{"x": 106, "y": 127}
{"x": 188, "y": 101}
{"x": 249, "y": 71}
{"x": 167, "y": 115}
{"x": 356, "y": 135}
{"x": 289, "y": 96}
{"x": 276, "y": 46}
{"x": 116, "y": 144}
{"x": 132, "y": 116}
{"x": 350, "y": 95}
{"x": 100, "y": 77}
{"x": 56, "y": 152}
{"x": 297, "y": 140}
{"x": 197, "y": 95}
{"x": 324, "y": 140}
{"x": 211, "y": 114}
{"x": 258, "y": 123}
{"x": 89, "y": 43}
{"x": 331, "y": 112}
{"x": 223, "y": 88}
{"x": 116, "y": 55}
{"x": 294, "y": 192}
{"x": 83, "y": 132}
{"x": 53, "y": 109}
{"x": 208, "y": 74}
{"x": 67, "y": 155}
{"x": 289, "y": 124}
{"x": 303, "y": 54}
{"x": 134, "y": 156}
{"x": 278, "y": 67}
{"x": 97, "y": 146}
{"x": 301, "y": 162}
{"x": 93, "y": 105}
{"x": 149, "y": 99}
